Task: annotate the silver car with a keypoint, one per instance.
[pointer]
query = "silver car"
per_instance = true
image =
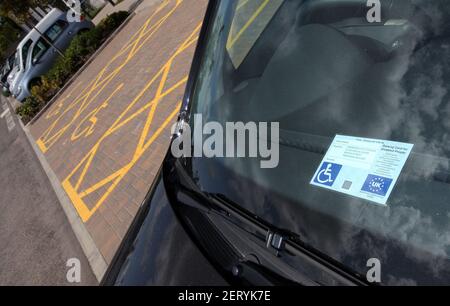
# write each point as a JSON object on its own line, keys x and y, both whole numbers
{"x": 38, "y": 51}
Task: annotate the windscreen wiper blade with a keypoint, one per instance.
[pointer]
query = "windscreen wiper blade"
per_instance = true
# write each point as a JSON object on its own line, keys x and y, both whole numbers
{"x": 276, "y": 239}
{"x": 280, "y": 240}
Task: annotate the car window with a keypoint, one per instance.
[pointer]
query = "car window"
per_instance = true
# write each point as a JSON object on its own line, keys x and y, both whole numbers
{"x": 323, "y": 69}
{"x": 55, "y": 30}
{"x": 24, "y": 55}
{"x": 39, "y": 50}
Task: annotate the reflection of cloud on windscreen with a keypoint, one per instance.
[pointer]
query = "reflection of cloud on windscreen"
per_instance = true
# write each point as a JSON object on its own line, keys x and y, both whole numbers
{"x": 423, "y": 243}
{"x": 405, "y": 98}
{"x": 425, "y": 124}
{"x": 436, "y": 10}
{"x": 428, "y": 91}
{"x": 417, "y": 231}
{"x": 401, "y": 234}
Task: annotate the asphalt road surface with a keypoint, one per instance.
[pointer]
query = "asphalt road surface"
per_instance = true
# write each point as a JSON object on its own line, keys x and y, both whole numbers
{"x": 36, "y": 239}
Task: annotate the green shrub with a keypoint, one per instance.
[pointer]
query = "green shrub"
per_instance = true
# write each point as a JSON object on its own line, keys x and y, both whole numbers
{"x": 112, "y": 22}
{"x": 29, "y": 108}
{"x": 79, "y": 50}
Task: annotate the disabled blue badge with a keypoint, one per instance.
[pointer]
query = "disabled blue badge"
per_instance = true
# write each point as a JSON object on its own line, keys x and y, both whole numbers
{"x": 365, "y": 168}
{"x": 327, "y": 174}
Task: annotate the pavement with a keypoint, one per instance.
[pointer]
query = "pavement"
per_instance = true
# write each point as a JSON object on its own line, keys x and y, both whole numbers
{"x": 104, "y": 138}
{"x": 36, "y": 239}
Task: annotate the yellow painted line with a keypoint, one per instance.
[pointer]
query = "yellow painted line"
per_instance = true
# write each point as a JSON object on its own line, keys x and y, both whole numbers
{"x": 50, "y": 137}
{"x": 241, "y": 4}
{"x": 60, "y": 104}
{"x": 85, "y": 102}
{"x": 150, "y": 104}
{"x": 100, "y": 184}
{"x": 46, "y": 138}
{"x": 82, "y": 209}
{"x": 158, "y": 10}
{"x": 90, "y": 157}
{"x": 77, "y": 199}
{"x": 128, "y": 167}
{"x": 157, "y": 99}
{"x": 92, "y": 117}
{"x": 129, "y": 44}
{"x": 114, "y": 179}
{"x": 231, "y": 42}
{"x": 41, "y": 145}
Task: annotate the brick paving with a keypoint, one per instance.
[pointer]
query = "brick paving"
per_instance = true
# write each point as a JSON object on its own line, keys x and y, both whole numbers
{"x": 107, "y": 134}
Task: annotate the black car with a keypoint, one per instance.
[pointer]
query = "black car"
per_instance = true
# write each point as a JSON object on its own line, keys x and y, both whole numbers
{"x": 320, "y": 68}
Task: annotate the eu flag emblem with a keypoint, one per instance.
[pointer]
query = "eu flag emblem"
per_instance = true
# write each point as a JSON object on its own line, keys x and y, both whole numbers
{"x": 377, "y": 184}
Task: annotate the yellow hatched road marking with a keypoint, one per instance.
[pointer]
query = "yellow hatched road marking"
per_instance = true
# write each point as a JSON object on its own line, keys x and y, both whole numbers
{"x": 73, "y": 191}
{"x": 51, "y": 135}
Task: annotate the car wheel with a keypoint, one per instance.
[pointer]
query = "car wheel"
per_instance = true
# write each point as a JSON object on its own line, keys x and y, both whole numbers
{"x": 34, "y": 82}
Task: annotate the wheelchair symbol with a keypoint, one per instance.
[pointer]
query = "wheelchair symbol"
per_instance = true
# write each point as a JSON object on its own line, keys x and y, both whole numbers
{"x": 327, "y": 174}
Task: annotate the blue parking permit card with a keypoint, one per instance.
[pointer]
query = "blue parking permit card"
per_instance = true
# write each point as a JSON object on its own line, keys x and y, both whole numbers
{"x": 362, "y": 167}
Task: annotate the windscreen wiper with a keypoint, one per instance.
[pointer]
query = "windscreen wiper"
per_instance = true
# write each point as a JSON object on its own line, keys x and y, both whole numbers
{"x": 273, "y": 240}
{"x": 280, "y": 241}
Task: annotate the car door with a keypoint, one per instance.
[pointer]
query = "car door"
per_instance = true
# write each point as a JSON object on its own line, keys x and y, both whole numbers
{"x": 41, "y": 57}
{"x": 22, "y": 66}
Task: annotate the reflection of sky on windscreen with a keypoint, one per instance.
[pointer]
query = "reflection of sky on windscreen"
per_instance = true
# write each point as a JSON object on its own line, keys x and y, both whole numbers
{"x": 405, "y": 99}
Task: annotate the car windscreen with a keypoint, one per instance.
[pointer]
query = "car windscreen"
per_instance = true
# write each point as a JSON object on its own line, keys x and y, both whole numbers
{"x": 330, "y": 71}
